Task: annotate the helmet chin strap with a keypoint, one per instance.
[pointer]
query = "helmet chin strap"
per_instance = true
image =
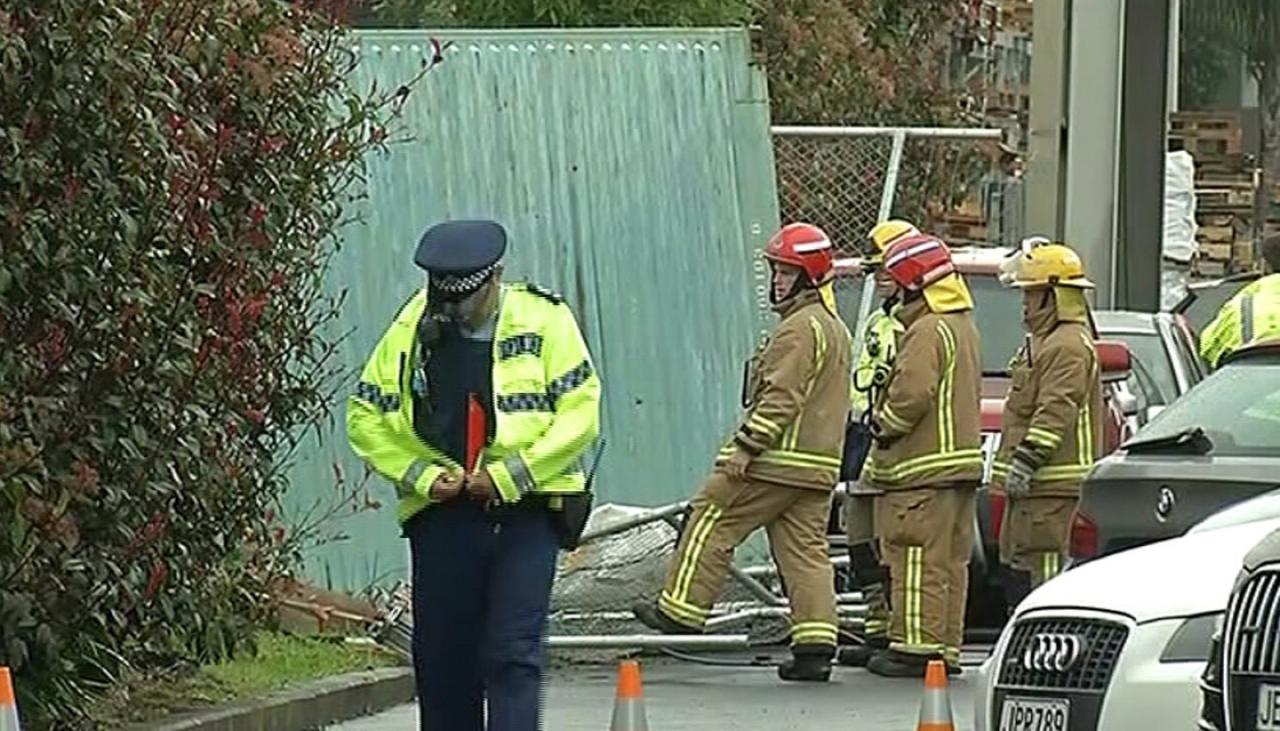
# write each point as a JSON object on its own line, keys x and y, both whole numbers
{"x": 801, "y": 282}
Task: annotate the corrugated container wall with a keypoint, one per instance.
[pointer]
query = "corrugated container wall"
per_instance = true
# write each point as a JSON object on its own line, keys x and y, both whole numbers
{"x": 634, "y": 171}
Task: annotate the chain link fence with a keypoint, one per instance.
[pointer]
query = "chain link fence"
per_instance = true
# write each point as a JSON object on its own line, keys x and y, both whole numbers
{"x": 952, "y": 182}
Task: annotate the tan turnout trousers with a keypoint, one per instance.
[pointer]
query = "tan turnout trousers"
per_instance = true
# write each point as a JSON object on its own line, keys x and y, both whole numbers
{"x": 725, "y": 513}
{"x": 927, "y": 535}
{"x": 1035, "y": 535}
{"x": 865, "y": 563}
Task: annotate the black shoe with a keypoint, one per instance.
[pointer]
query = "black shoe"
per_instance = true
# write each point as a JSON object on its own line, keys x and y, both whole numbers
{"x": 894, "y": 664}
{"x": 808, "y": 664}
{"x": 654, "y": 618}
{"x": 857, "y": 656}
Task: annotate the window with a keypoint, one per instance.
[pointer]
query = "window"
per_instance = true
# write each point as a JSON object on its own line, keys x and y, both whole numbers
{"x": 1153, "y": 369}
{"x": 1238, "y": 407}
{"x": 1187, "y": 352}
{"x": 998, "y": 311}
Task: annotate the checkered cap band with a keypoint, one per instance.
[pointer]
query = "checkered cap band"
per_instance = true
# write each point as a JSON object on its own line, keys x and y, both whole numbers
{"x": 462, "y": 285}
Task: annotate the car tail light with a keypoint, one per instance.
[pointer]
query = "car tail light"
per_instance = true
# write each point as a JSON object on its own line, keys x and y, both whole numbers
{"x": 998, "y": 501}
{"x": 1084, "y": 536}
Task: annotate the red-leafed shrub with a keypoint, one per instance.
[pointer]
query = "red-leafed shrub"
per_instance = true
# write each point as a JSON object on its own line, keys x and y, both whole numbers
{"x": 172, "y": 176}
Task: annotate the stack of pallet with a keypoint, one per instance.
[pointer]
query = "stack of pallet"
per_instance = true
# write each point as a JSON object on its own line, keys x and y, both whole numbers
{"x": 964, "y": 225}
{"x": 1225, "y": 189}
{"x": 1009, "y": 70}
{"x": 1015, "y": 16}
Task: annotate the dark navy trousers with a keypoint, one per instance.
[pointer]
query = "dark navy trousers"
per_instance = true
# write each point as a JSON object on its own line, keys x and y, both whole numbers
{"x": 481, "y": 593}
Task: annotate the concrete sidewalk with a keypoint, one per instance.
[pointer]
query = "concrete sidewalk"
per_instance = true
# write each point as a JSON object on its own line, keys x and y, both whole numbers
{"x": 683, "y": 696}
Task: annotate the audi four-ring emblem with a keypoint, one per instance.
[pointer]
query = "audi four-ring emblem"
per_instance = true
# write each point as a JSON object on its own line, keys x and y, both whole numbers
{"x": 1053, "y": 653}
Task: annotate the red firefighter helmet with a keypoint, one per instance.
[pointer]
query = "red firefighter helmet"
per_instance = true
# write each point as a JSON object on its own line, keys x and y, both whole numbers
{"x": 802, "y": 245}
{"x": 915, "y": 262}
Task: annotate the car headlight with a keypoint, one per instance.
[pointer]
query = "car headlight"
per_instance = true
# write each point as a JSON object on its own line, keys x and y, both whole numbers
{"x": 1193, "y": 639}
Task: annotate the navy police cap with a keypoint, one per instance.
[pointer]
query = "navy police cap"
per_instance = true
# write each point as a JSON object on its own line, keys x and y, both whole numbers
{"x": 458, "y": 248}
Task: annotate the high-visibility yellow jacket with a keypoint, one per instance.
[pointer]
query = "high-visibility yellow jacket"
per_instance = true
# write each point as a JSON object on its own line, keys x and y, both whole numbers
{"x": 928, "y": 415}
{"x": 546, "y": 404}
{"x": 880, "y": 337}
{"x": 798, "y": 388}
{"x": 1252, "y": 315}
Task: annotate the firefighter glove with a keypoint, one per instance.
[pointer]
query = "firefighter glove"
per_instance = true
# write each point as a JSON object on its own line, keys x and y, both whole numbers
{"x": 1022, "y": 466}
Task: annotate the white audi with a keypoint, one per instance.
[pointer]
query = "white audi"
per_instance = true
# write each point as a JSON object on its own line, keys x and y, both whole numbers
{"x": 1119, "y": 643}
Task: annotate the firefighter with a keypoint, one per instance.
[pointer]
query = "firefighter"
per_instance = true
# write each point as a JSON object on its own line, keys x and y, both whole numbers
{"x": 781, "y": 465}
{"x": 477, "y": 403}
{"x": 927, "y": 459}
{"x": 1052, "y": 418}
{"x": 1253, "y": 314}
{"x": 880, "y": 336}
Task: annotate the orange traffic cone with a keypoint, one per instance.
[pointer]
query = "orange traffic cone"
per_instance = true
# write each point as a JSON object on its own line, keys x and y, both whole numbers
{"x": 8, "y": 704}
{"x": 935, "y": 707}
{"x": 628, "y": 705}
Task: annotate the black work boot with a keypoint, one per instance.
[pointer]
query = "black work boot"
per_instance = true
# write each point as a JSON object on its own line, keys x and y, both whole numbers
{"x": 808, "y": 663}
{"x": 894, "y": 664}
{"x": 654, "y": 618}
{"x": 857, "y": 656}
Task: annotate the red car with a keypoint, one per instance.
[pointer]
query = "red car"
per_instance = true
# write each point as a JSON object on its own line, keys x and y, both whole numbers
{"x": 998, "y": 310}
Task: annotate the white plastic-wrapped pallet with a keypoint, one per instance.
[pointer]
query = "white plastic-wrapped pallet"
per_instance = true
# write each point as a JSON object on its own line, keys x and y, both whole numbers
{"x": 1179, "y": 240}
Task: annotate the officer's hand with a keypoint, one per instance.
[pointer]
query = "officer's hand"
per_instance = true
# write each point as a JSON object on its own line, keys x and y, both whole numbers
{"x": 736, "y": 467}
{"x": 446, "y": 487}
{"x": 1018, "y": 483}
{"x": 480, "y": 487}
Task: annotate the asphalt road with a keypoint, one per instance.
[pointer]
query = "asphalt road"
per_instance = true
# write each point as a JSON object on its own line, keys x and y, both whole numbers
{"x": 682, "y": 696}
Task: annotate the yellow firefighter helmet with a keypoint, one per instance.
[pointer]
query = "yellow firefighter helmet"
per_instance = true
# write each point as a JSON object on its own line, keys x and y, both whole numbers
{"x": 885, "y": 233}
{"x": 1051, "y": 265}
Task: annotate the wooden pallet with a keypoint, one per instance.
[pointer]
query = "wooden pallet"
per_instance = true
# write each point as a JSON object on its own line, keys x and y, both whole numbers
{"x": 1017, "y": 17}
{"x": 1216, "y": 251}
{"x": 1242, "y": 259}
{"x": 1008, "y": 101}
{"x": 1210, "y": 268}
{"x": 1208, "y": 134}
{"x": 1204, "y": 145}
{"x": 1215, "y": 219}
{"x": 968, "y": 232}
{"x": 1220, "y": 200}
{"x": 1225, "y": 166}
{"x": 1208, "y": 122}
{"x": 1217, "y": 235}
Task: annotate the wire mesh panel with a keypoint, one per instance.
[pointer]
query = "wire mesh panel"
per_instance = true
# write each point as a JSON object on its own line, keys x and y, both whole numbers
{"x": 623, "y": 561}
{"x": 835, "y": 183}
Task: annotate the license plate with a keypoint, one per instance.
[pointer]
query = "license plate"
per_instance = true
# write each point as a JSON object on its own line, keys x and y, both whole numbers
{"x": 1035, "y": 714}
{"x": 1268, "y": 708}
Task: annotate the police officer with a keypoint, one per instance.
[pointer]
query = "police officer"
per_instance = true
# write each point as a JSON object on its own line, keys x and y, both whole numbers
{"x": 1052, "y": 418}
{"x": 880, "y": 335}
{"x": 928, "y": 459}
{"x": 780, "y": 467}
{"x": 1253, "y": 314}
{"x": 477, "y": 403}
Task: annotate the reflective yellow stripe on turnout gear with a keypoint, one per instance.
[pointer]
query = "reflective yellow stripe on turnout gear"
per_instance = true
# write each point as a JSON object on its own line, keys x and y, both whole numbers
{"x": 676, "y": 602}
{"x": 814, "y": 633}
{"x": 948, "y": 455}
